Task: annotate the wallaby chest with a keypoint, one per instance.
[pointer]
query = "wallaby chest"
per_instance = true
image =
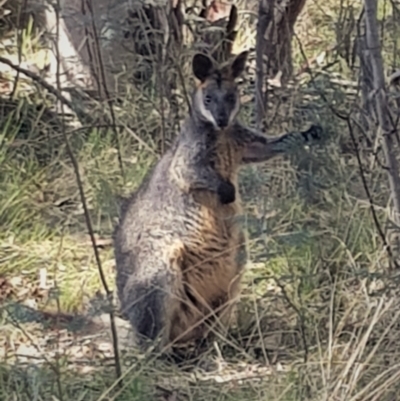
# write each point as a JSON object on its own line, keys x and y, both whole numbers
{"x": 214, "y": 241}
{"x": 225, "y": 157}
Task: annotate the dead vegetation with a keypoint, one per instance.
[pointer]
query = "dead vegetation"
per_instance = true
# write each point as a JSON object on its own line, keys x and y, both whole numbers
{"x": 318, "y": 318}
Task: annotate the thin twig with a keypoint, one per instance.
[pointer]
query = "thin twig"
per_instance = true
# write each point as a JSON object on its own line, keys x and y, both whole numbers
{"x": 89, "y": 222}
{"x": 369, "y": 196}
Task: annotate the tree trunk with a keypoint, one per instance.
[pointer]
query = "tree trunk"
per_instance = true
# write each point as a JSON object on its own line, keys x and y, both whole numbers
{"x": 275, "y": 29}
{"x": 129, "y": 35}
{"x": 217, "y": 32}
{"x": 387, "y": 129}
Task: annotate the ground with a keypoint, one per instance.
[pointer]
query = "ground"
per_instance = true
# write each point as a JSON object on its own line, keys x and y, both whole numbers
{"x": 318, "y": 318}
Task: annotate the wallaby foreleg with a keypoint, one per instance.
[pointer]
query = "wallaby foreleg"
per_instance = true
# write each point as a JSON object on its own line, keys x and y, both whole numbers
{"x": 258, "y": 148}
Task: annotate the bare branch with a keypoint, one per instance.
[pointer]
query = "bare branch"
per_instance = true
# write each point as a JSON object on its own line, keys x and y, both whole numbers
{"x": 36, "y": 78}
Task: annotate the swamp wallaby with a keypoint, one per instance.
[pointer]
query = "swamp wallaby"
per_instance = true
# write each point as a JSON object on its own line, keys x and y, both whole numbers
{"x": 179, "y": 247}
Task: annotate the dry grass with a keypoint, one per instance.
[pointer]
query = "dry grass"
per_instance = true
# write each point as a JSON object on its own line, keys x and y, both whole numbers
{"x": 318, "y": 318}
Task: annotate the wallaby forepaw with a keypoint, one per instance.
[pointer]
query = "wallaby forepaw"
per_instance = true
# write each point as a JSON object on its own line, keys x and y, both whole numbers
{"x": 226, "y": 192}
{"x": 313, "y": 133}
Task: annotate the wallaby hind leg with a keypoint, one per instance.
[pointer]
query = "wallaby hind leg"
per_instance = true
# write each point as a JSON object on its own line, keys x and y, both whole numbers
{"x": 145, "y": 303}
{"x": 149, "y": 300}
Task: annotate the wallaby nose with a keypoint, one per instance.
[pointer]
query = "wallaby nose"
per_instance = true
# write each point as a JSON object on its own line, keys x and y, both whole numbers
{"x": 222, "y": 121}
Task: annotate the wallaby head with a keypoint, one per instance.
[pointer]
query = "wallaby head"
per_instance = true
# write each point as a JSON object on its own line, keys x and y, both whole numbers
{"x": 217, "y": 99}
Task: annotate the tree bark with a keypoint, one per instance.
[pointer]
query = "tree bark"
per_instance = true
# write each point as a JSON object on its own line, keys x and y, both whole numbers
{"x": 383, "y": 112}
{"x": 217, "y": 32}
{"x": 275, "y": 29}
{"x": 265, "y": 18}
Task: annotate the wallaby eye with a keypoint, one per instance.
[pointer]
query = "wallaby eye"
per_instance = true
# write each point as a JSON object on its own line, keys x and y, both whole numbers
{"x": 207, "y": 100}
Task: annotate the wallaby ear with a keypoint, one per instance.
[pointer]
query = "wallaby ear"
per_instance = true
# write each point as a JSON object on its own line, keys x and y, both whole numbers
{"x": 238, "y": 64}
{"x": 202, "y": 66}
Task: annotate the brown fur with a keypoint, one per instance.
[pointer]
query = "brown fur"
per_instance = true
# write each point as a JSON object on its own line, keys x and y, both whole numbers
{"x": 179, "y": 247}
